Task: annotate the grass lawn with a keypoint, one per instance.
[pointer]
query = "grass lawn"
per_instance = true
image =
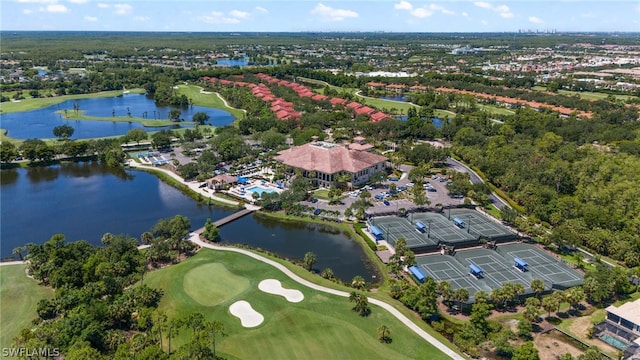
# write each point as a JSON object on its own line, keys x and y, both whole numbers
{"x": 36, "y": 103}
{"x": 322, "y": 326}
{"x": 207, "y": 100}
{"x": 19, "y": 296}
{"x": 493, "y": 211}
{"x": 588, "y": 95}
{"x": 322, "y": 194}
{"x": 70, "y": 115}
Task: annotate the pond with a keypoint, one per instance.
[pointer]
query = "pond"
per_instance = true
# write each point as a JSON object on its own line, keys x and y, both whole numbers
{"x": 86, "y": 200}
{"x": 39, "y": 123}
{"x": 437, "y": 122}
{"x": 233, "y": 62}
{"x": 395, "y": 98}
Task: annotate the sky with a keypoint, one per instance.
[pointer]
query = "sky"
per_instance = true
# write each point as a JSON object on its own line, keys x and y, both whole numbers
{"x": 324, "y": 15}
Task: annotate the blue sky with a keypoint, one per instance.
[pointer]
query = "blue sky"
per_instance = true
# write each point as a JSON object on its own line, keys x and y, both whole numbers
{"x": 325, "y": 15}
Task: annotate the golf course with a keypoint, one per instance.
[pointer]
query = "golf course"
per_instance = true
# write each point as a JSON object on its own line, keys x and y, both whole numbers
{"x": 19, "y": 296}
{"x": 320, "y": 326}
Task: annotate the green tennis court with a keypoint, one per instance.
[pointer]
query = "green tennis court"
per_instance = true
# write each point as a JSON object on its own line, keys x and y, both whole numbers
{"x": 394, "y": 227}
{"x": 498, "y": 268}
{"x": 480, "y": 225}
{"x": 554, "y": 272}
{"x": 443, "y": 230}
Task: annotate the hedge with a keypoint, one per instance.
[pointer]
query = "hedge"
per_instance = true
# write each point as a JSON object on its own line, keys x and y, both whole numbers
{"x": 358, "y": 228}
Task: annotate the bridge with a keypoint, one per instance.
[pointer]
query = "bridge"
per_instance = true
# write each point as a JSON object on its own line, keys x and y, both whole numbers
{"x": 236, "y": 215}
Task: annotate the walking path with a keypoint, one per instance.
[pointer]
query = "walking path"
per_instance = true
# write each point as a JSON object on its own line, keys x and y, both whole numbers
{"x": 192, "y": 185}
{"x": 195, "y": 238}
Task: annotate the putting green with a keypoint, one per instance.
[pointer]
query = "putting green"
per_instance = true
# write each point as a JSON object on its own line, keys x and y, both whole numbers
{"x": 212, "y": 284}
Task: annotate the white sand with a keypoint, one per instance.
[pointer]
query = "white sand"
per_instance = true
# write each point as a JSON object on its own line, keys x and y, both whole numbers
{"x": 248, "y": 317}
{"x": 273, "y": 286}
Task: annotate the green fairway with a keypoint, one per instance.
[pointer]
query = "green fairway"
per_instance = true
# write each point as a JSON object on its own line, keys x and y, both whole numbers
{"x": 37, "y": 103}
{"x": 208, "y": 100}
{"x": 588, "y": 95}
{"x": 229, "y": 284}
{"x": 19, "y": 296}
{"x": 322, "y": 326}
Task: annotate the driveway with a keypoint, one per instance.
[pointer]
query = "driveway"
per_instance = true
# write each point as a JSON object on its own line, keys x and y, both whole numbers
{"x": 475, "y": 179}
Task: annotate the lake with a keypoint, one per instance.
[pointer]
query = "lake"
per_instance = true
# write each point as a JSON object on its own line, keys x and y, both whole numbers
{"x": 86, "y": 200}
{"x": 39, "y": 123}
{"x": 395, "y": 98}
{"x": 437, "y": 122}
{"x": 233, "y": 62}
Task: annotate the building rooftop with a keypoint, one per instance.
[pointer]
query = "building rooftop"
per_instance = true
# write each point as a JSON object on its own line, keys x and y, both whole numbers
{"x": 328, "y": 158}
{"x": 629, "y": 311}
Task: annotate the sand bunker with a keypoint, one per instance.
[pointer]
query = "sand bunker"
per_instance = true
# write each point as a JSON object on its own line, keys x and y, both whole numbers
{"x": 273, "y": 286}
{"x": 243, "y": 311}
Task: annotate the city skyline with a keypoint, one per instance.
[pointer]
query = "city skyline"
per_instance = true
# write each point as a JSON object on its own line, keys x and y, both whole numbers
{"x": 321, "y": 16}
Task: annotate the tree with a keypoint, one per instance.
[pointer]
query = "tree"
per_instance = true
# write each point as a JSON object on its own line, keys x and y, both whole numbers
{"x": 358, "y": 282}
{"x": 361, "y": 303}
{"x": 63, "y": 131}
{"x": 508, "y": 214}
{"x": 461, "y": 295}
{"x": 211, "y": 231}
{"x": 550, "y": 303}
{"x": 384, "y": 334}
{"x": 419, "y": 196}
{"x": 136, "y": 135}
{"x": 309, "y": 260}
{"x": 530, "y": 313}
{"x": 162, "y": 139}
{"x": 19, "y": 251}
{"x": 327, "y": 274}
{"x": 525, "y": 328}
{"x": 8, "y": 152}
{"x": 174, "y": 115}
{"x": 526, "y": 351}
{"x": 200, "y": 117}
{"x": 537, "y": 285}
{"x": 214, "y": 330}
{"x": 36, "y": 149}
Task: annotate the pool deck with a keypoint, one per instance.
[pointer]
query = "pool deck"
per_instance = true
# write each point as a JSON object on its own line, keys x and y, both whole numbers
{"x": 248, "y": 194}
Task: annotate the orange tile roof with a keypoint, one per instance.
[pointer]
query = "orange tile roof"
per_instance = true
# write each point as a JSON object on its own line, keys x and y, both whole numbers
{"x": 329, "y": 159}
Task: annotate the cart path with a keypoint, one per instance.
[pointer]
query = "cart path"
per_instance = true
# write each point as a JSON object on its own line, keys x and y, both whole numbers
{"x": 195, "y": 238}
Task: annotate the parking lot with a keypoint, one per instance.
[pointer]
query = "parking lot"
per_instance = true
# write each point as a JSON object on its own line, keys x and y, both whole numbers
{"x": 401, "y": 200}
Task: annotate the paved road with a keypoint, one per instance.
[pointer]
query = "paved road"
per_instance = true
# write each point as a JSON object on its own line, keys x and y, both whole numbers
{"x": 195, "y": 238}
{"x": 475, "y": 179}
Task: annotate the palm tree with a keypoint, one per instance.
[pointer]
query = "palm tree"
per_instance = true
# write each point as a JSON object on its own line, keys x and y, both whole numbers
{"x": 309, "y": 260}
{"x": 18, "y": 251}
{"x": 358, "y": 282}
{"x": 384, "y": 334}
{"x": 537, "y": 285}
{"x": 361, "y": 303}
{"x": 461, "y": 295}
{"x": 444, "y": 288}
{"x": 214, "y": 329}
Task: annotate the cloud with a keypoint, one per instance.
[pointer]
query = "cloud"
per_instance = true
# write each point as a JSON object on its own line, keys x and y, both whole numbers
{"x": 502, "y": 10}
{"x": 260, "y": 9}
{"x": 141, "y": 18}
{"x": 56, "y": 8}
{"x": 27, "y": 11}
{"x": 465, "y": 14}
{"x": 90, "y": 18}
{"x": 403, "y": 5}
{"x": 103, "y": 5}
{"x": 216, "y": 17}
{"x": 239, "y": 14}
{"x": 78, "y": 1}
{"x": 535, "y": 20}
{"x": 328, "y": 13}
{"x": 38, "y": 1}
{"x": 484, "y": 22}
{"x": 122, "y": 9}
{"x": 424, "y": 11}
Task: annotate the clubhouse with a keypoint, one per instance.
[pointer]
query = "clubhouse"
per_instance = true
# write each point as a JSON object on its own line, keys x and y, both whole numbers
{"x": 323, "y": 162}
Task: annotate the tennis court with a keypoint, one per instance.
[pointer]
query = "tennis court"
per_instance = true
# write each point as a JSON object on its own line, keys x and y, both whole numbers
{"x": 481, "y": 226}
{"x": 497, "y": 269}
{"x": 395, "y": 227}
{"x": 554, "y": 272}
{"x": 446, "y": 268}
{"x": 443, "y": 230}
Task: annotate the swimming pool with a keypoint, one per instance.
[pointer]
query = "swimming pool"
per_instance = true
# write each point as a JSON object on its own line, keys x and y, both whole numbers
{"x": 613, "y": 341}
{"x": 260, "y": 190}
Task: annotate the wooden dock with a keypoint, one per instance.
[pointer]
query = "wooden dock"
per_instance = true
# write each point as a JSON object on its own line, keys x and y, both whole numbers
{"x": 230, "y": 218}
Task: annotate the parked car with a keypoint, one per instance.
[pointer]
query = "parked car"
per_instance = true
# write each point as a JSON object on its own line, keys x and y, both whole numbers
{"x": 387, "y": 203}
{"x": 314, "y": 200}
